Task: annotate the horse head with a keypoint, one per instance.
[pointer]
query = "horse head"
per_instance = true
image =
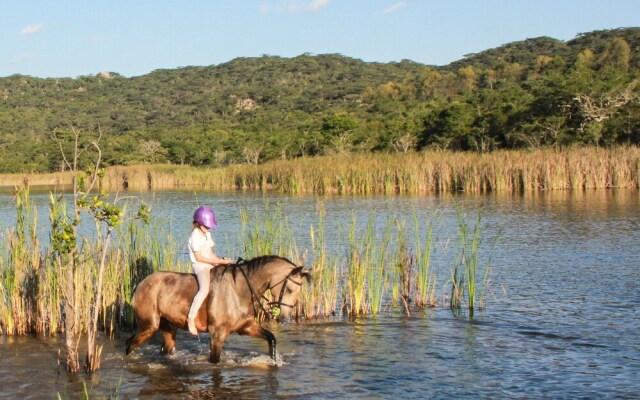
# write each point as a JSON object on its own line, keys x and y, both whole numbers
{"x": 285, "y": 288}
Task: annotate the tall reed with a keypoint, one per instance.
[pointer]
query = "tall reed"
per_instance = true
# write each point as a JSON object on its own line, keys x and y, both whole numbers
{"x": 320, "y": 298}
{"x": 366, "y": 173}
{"x": 425, "y": 279}
{"x": 22, "y": 264}
{"x": 268, "y": 234}
{"x": 401, "y": 268}
{"x": 368, "y": 268}
{"x": 464, "y": 274}
{"x": 378, "y": 271}
{"x": 357, "y": 265}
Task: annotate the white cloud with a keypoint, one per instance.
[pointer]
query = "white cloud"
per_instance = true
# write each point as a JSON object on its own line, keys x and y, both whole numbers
{"x": 31, "y": 29}
{"x": 315, "y": 5}
{"x": 394, "y": 8}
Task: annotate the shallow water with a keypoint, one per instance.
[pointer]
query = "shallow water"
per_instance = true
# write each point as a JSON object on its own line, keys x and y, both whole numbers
{"x": 561, "y": 319}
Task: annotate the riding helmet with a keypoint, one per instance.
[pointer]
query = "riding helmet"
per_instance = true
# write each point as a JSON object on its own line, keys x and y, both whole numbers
{"x": 205, "y": 217}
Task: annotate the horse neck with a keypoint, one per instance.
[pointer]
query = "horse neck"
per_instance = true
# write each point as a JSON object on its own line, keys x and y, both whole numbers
{"x": 266, "y": 277}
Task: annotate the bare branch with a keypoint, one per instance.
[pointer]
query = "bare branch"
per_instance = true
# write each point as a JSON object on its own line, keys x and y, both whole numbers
{"x": 76, "y": 154}
{"x": 96, "y": 167}
{"x": 64, "y": 156}
{"x": 604, "y": 106}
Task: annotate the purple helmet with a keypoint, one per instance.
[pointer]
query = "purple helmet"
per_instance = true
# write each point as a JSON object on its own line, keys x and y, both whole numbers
{"x": 205, "y": 217}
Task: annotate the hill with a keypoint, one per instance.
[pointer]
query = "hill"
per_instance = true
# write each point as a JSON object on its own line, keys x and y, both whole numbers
{"x": 521, "y": 94}
{"x": 527, "y": 51}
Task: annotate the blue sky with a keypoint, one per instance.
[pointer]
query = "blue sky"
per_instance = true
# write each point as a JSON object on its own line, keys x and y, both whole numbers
{"x": 69, "y": 38}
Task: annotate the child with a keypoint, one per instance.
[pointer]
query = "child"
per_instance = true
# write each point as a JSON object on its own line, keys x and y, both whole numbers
{"x": 203, "y": 259}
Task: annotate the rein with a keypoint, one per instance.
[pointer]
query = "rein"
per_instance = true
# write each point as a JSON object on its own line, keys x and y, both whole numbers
{"x": 273, "y": 305}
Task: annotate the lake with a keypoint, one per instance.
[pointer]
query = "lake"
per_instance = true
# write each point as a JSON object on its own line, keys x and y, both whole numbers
{"x": 561, "y": 318}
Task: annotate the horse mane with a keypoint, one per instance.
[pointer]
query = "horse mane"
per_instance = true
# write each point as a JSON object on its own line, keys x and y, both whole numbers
{"x": 253, "y": 265}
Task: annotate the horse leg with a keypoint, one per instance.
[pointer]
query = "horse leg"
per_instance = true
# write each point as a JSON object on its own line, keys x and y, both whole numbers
{"x": 254, "y": 330}
{"x": 168, "y": 337}
{"x": 218, "y": 337}
{"x": 146, "y": 329}
{"x": 139, "y": 338}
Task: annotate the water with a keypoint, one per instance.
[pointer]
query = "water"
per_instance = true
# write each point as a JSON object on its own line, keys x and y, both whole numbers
{"x": 561, "y": 319}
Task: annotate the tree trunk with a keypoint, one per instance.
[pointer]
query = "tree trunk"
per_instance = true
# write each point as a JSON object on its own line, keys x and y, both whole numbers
{"x": 93, "y": 351}
{"x": 71, "y": 329}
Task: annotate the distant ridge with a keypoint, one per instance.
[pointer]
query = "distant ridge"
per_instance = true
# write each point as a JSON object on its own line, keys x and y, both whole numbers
{"x": 526, "y": 51}
{"x": 254, "y": 109}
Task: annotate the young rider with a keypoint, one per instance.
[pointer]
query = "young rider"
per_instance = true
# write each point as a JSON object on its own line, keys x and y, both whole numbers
{"x": 203, "y": 259}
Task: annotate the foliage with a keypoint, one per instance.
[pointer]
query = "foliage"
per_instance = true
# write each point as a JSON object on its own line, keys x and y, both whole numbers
{"x": 533, "y": 93}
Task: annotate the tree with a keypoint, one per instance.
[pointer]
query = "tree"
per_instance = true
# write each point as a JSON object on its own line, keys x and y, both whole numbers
{"x": 451, "y": 128}
{"x": 339, "y": 128}
{"x": 468, "y": 79}
{"x": 152, "y": 151}
{"x": 251, "y": 154}
{"x": 64, "y": 238}
{"x": 599, "y": 107}
{"x": 617, "y": 55}
{"x": 66, "y": 251}
{"x": 404, "y": 143}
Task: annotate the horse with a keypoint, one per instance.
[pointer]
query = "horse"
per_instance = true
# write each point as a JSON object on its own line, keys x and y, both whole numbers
{"x": 162, "y": 300}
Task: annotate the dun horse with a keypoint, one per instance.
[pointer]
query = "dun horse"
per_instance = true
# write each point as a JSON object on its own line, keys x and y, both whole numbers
{"x": 162, "y": 300}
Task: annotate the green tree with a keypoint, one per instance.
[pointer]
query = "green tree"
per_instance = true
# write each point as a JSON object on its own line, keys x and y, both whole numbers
{"x": 451, "y": 128}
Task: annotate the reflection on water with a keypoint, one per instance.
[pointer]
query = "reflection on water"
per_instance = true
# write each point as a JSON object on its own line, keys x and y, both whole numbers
{"x": 561, "y": 321}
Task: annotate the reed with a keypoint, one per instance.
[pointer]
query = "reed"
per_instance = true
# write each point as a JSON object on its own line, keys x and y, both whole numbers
{"x": 366, "y": 173}
{"x": 53, "y": 179}
{"x": 465, "y": 285}
{"x": 469, "y": 243}
{"x": 21, "y": 263}
{"x": 268, "y": 234}
{"x": 425, "y": 279}
{"x": 357, "y": 264}
{"x": 320, "y": 298}
{"x": 377, "y": 254}
{"x": 31, "y": 292}
{"x": 401, "y": 267}
{"x": 367, "y": 269}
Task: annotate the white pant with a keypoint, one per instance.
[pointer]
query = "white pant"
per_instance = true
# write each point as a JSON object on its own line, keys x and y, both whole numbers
{"x": 203, "y": 276}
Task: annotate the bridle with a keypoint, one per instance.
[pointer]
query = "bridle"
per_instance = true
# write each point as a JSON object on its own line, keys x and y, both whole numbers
{"x": 274, "y": 306}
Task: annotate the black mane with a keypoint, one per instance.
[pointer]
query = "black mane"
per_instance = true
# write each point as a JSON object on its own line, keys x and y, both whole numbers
{"x": 253, "y": 265}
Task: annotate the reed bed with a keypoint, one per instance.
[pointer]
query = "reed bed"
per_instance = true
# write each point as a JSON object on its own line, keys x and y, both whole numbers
{"x": 376, "y": 269}
{"x": 365, "y": 173}
{"x": 53, "y": 179}
{"x": 31, "y": 293}
{"x": 322, "y": 297}
{"x": 373, "y": 269}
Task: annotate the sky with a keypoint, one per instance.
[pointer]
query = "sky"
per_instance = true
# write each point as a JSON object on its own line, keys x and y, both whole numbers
{"x": 71, "y": 38}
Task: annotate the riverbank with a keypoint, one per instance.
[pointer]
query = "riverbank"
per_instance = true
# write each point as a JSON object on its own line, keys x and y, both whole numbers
{"x": 385, "y": 173}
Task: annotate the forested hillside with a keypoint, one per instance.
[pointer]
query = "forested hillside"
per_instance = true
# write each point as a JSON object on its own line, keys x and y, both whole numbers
{"x": 533, "y": 93}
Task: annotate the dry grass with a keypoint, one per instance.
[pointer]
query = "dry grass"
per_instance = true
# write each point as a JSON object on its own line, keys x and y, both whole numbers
{"x": 425, "y": 172}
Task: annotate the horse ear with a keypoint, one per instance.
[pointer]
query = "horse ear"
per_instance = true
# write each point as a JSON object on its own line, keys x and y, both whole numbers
{"x": 302, "y": 272}
{"x": 305, "y": 273}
